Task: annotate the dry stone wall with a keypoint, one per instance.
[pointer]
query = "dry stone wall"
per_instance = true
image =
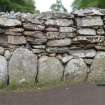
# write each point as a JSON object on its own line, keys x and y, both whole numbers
{"x": 52, "y": 46}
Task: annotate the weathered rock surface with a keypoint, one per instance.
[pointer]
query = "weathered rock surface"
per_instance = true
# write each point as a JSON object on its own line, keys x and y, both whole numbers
{"x": 36, "y": 41}
{"x": 83, "y": 53}
{"x": 52, "y": 29}
{"x": 1, "y": 50}
{"x": 100, "y": 48}
{"x": 88, "y": 61}
{"x": 59, "y": 22}
{"x": 22, "y": 66}
{"x": 52, "y": 35}
{"x": 38, "y": 51}
{"x": 88, "y": 12}
{"x": 35, "y": 34}
{"x": 16, "y": 40}
{"x": 3, "y": 71}
{"x": 53, "y": 15}
{"x": 50, "y": 69}
{"x": 61, "y": 42}
{"x": 33, "y": 27}
{"x": 89, "y": 39}
{"x": 90, "y": 53}
{"x": 7, "y": 54}
{"x": 5, "y": 22}
{"x": 67, "y": 29}
{"x": 76, "y": 70}
{"x": 100, "y": 31}
{"x": 97, "y": 72}
{"x": 57, "y": 50}
{"x": 65, "y": 58}
{"x": 86, "y": 31}
{"x": 90, "y": 21}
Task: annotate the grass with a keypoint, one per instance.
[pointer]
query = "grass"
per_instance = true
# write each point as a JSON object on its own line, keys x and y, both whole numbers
{"x": 37, "y": 86}
{"x": 100, "y": 82}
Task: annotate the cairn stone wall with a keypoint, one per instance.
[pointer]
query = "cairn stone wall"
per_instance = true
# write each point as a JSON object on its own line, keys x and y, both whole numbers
{"x": 52, "y": 46}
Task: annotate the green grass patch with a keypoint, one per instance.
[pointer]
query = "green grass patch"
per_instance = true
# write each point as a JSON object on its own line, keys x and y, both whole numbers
{"x": 37, "y": 86}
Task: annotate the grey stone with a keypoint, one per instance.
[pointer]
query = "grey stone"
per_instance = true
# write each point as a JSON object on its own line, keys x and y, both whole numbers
{"x": 88, "y": 12}
{"x": 67, "y": 29}
{"x": 35, "y": 34}
{"x": 5, "y": 22}
{"x": 97, "y": 72}
{"x": 61, "y": 42}
{"x": 52, "y": 29}
{"x": 2, "y": 31}
{"x": 59, "y": 22}
{"x": 50, "y": 69}
{"x": 38, "y": 51}
{"x": 7, "y": 54}
{"x": 39, "y": 46}
{"x": 17, "y": 40}
{"x": 67, "y": 35}
{"x": 57, "y": 35}
{"x": 90, "y": 53}
{"x": 86, "y": 31}
{"x": 36, "y": 41}
{"x": 34, "y": 21}
{"x": 60, "y": 50}
{"x": 1, "y": 50}
{"x": 14, "y": 30}
{"x": 76, "y": 70}
{"x": 89, "y": 39}
{"x": 100, "y": 48}
{"x": 53, "y": 15}
{"x": 3, "y": 40}
{"x": 77, "y": 53}
{"x": 22, "y": 65}
{"x": 65, "y": 59}
{"x": 33, "y": 27}
{"x": 3, "y": 71}
{"x": 13, "y": 33}
{"x": 88, "y": 61}
{"x": 52, "y": 35}
{"x": 83, "y": 53}
{"x": 100, "y": 31}
{"x": 90, "y": 21}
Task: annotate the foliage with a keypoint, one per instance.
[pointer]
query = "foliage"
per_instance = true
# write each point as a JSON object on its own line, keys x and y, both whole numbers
{"x": 17, "y": 5}
{"x": 58, "y": 7}
{"x": 78, "y": 4}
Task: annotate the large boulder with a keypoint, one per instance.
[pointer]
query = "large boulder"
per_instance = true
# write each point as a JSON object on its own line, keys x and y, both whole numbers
{"x": 50, "y": 69}
{"x": 76, "y": 70}
{"x": 3, "y": 71}
{"x": 22, "y": 66}
{"x": 97, "y": 72}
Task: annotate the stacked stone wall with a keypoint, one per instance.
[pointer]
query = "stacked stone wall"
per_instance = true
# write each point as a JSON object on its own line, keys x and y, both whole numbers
{"x": 52, "y": 46}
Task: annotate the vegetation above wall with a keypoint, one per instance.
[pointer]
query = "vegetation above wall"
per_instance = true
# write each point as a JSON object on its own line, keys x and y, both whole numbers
{"x": 17, "y": 5}
{"x": 78, "y": 4}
